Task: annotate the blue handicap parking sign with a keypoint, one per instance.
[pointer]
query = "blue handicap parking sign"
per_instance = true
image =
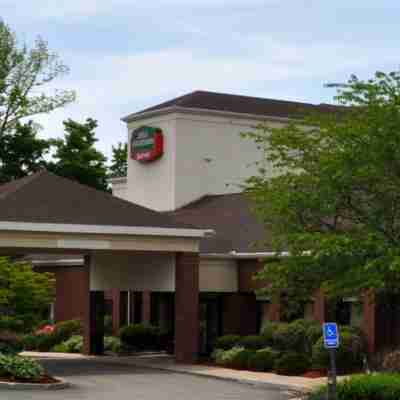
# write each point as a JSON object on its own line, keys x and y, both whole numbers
{"x": 331, "y": 335}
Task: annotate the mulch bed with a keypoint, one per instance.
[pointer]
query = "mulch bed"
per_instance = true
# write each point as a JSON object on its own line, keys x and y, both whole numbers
{"x": 315, "y": 374}
{"x": 45, "y": 379}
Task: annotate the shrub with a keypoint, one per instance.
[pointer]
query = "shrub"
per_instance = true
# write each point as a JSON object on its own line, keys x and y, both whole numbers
{"x": 268, "y": 330}
{"x": 45, "y": 341}
{"x": 227, "y": 342}
{"x": 291, "y": 337}
{"x": 73, "y": 345}
{"x": 108, "y": 325}
{"x": 216, "y": 355}
{"x": 362, "y": 387}
{"x": 349, "y": 355}
{"x": 10, "y": 343}
{"x": 20, "y": 368}
{"x": 29, "y": 342}
{"x": 112, "y": 343}
{"x": 64, "y": 330}
{"x": 140, "y": 337}
{"x": 253, "y": 342}
{"x": 391, "y": 362}
{"x": 237, "y": 357}
{"x": 292, "y": 364}
{"x": 263, "y": 360}
{"x": 8, "y": 323}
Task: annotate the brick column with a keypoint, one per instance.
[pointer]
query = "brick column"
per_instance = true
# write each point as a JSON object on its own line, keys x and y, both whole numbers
{"x": 319, "y": 306}
{"x": 93, "y": 316}
{"x": 274, "y": 310}
{"x": 116, "y": 310}
{"x": 369, "y": 319}
{"x": 186, "y": 307}
{"x": 146, "y": 307}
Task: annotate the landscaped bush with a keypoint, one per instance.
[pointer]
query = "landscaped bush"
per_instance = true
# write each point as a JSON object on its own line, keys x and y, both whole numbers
{"x": 290, "y": 337}
{"x": 227, "y": 342}
{"x": 108, "y": 325}
{"x": 364, "y": 387}
{"x": 349, "y": 356}
{"x": 391, "y": 362}
{"x": 73, "y": 345}
{"x": 268, "y": 330}
{"x": 263, "y": 360}
{"x": 113, "y": 344}
{"x": 10, "y": 343}
{"x": 253, "y": 342}
{"x": 140, "y": 337}
{"x": 20, "y": 368}
{"x": 64, "y": 330}
{"x": 237, "y": 357}
{"x": 46, "y": 341}
{"x": 292, "y": 363}
{"x": 8, "y": 323}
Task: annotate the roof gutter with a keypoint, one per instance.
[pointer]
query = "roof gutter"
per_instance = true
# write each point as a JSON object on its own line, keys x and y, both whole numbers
{"x": 104, "y": 229}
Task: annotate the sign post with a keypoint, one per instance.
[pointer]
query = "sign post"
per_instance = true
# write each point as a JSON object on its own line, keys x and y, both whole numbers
{"x": 331, "y": 342}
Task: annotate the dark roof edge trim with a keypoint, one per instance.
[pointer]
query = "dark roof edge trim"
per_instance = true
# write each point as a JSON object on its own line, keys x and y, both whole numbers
{"x": 202, "y": 111}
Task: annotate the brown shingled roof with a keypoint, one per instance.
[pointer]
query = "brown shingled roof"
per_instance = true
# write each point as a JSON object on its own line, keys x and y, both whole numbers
{"x": 47, "y": 198}
{"x": 238, "y": 104}
{"x": 230, "y": 215}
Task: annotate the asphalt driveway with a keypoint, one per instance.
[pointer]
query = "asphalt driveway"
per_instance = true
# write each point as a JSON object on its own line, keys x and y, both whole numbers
{"x": 97, "y": 380}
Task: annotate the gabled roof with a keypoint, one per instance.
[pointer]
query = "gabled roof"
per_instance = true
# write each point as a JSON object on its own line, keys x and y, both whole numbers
{"x": 223, "y": 102}
{"x": 45, "y": 198}
{"x": 230, "y": 216}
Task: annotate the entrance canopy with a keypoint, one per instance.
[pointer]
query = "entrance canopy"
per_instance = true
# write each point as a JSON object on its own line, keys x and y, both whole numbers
{"x": 44, "y": 213}
{"x": 47, "y": 212}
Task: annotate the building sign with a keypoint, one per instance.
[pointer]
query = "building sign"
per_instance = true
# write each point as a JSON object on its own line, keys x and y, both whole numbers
{"x": 147, "y": 144}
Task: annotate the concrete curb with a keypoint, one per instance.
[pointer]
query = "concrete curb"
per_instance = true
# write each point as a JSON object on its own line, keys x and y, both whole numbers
{"x": 296, "y": 390}
{"x": 36, "y": 386}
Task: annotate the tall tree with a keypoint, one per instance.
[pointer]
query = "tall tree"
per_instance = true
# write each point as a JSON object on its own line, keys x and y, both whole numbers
{"x": 21, "y": 152}
{"x": 119, "y": 161}
{"x": 24, "y": 74}
{"x": 336, "y": 204}
{"x": 76, "y": 156}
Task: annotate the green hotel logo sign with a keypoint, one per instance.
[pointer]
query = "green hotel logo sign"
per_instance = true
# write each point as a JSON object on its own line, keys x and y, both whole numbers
{"x": 147, "y": 144}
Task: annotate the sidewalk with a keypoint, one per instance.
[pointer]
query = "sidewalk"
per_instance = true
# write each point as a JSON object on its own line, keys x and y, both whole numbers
{"x": 167, "y": 363}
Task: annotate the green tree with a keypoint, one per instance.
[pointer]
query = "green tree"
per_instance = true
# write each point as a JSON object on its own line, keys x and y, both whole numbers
{"x": 336, "y": 204}
{"x": 21, "y": 152}
{"x": 24, "y": 74}
{"x": 76, "y": 156}
{"x": 24, "y": 294}
{"x": 119, "y": 161}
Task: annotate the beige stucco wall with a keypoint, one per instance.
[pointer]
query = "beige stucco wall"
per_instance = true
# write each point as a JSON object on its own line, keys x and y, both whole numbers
{"x": 152, "y": 184}
{"x": 204, "y": 154}
{"x": 155, "y": 272}
{"x": 218, "y": 275}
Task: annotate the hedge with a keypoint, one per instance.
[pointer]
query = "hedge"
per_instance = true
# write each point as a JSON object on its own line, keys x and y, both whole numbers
{"x": 364, "y": 387}
{"x": 292, "y": 364}
{"x": 140, "y": 337}
{"x": 263, "y": 360}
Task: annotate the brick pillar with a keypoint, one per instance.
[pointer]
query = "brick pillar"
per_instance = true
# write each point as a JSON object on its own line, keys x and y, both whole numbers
{"x": 93, "y": 316}
{"x": 186, "y": 307}
{"x": 146, "y": 307}
{"x": 116, "y": 310}
{"x": 319, "y": 306}
{"x": 274, "y": 310}
{"x": 369, "y": 319}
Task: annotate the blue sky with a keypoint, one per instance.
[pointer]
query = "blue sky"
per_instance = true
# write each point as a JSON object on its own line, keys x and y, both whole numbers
{"x": 125, "y": 55}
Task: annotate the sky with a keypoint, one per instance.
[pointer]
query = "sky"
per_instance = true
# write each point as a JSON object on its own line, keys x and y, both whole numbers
{"x": 126, "y": 55}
